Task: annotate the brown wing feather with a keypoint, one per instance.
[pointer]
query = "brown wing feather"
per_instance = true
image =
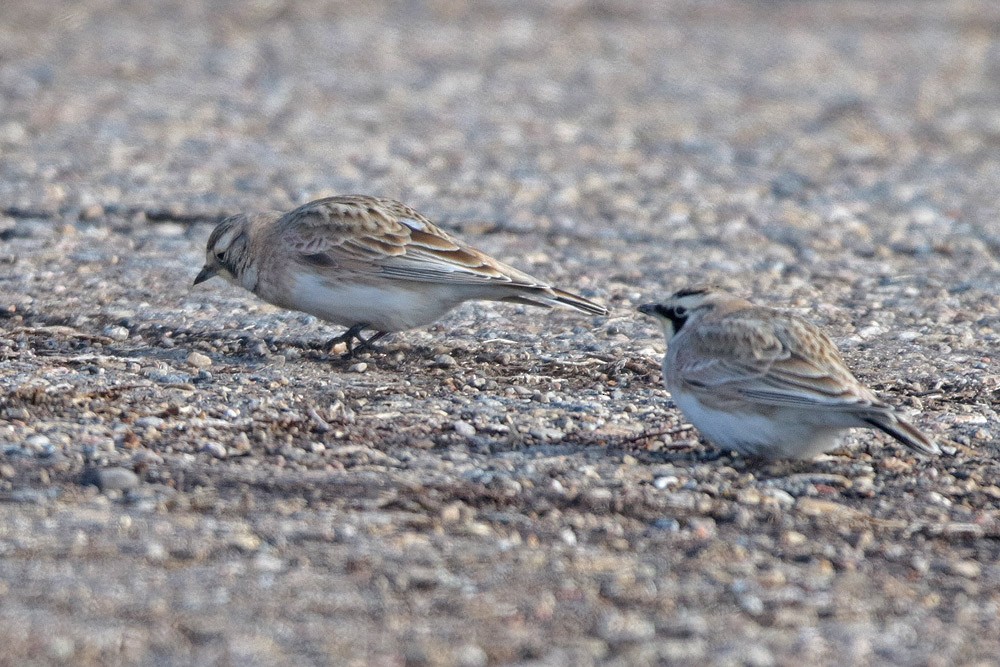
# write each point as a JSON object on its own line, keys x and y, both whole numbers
{"x": 768, "y": 357}
{"x": 372, "y": 236}
{"x": 386, "y": 235}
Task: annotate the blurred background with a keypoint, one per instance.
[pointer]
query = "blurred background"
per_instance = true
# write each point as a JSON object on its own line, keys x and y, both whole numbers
{"x": 587, "y": 115}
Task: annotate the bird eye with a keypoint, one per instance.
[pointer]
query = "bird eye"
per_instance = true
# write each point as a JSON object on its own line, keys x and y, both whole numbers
{"x": 220, "y": 255}
{"x": 680, "y": 311}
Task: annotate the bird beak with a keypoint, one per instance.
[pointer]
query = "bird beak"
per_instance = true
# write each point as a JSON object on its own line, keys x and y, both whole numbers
{"x": 649, "y": 309}
{"x": 206, "y": 273}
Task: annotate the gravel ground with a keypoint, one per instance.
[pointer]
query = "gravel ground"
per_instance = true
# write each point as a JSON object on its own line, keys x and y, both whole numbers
{"x": 187, "y": 477}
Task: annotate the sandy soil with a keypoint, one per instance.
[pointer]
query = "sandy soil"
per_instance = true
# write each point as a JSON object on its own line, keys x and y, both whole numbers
{"x": 186, "y": 477}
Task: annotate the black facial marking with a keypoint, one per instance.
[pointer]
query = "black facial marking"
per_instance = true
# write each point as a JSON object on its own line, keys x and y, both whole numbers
{"x": 690, "y": 291}
{"x": 234, "y": 258}
{"x": 229, "y": 266}
{"x": 677, "y": 315}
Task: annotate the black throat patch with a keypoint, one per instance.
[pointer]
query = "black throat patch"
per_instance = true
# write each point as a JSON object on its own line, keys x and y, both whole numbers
{"x": 676, "y": 320}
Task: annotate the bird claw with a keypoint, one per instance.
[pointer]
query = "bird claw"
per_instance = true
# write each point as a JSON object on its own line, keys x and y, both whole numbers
{"x": 349, "y": 337}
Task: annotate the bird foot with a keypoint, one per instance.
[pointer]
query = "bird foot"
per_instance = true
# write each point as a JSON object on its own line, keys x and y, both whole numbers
{"x": 354, "y": 342}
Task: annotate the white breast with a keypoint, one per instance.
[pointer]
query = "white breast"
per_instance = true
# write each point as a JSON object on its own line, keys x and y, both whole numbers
{"x": 389, "y": 306}
{"x": 787, "y": 434}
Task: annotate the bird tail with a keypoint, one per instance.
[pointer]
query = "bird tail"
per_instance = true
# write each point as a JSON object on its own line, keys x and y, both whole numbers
{"x": 577, "y": 302}
{"x": 903, "y": 431}
{"x": 546, "y": 297}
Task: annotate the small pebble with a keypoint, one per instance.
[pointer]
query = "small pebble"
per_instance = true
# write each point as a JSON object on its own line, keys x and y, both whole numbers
{"x": 471, "y": 655}
{"x": 546, "y": 433}
{"x": 92, "y": 212}
{"x": 110, "y": 479}
{"x": 780, "y": 496}
{"x": 359, "y": 367}
{"x": 156, "y": 552}
{"x": 756, "y": 656}
{"x": 444, "y": 361}
{"x": 265, "y": 562}
{"x": 246, "y": 542}
{"x": 793, "y": 539}
{"x": 37, "y": 444}
{"x": 961, "y": 531}
{"x": 619, "y": 628}
{"x": 451, "y": 513}
{"x": 815, "y": 507}
{"x": 214, "y": 449}
{"x": 464, "y": 429}
{"x": 116, "y": 333}
{"x": 969, "y": 569}
{"x": 149, "y": 422}
{"x": 665, "y": 482}
{"x": 751, "y": 604}
{"x": 702, "y": 528}
{"x": 199, "y": 360}
{"x": 667, "y": 524}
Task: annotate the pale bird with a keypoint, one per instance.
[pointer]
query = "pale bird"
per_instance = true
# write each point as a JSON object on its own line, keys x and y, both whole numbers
{"x": 765, "y": 383}
{"x": 366, "y": 264}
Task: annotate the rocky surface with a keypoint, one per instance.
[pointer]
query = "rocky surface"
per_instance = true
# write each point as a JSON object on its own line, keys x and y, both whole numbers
{"x": 186, "y": 476}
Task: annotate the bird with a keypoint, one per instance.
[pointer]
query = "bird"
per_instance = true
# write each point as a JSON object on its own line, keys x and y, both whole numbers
{"x": 366, "y": 263}
{"x": 765, "y": 383}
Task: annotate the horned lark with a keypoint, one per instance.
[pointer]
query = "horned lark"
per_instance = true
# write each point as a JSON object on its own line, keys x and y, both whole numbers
{"x": 366, "y": 264}
{"x": 765, "y": 383}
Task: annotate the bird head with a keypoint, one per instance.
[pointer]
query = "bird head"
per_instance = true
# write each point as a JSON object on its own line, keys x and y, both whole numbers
{"x": 682, "y": 306}
{"x": 228, "y": 251}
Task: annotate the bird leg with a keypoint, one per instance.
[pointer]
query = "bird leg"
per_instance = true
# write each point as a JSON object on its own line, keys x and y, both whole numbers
{"x": 366, "y": 343}
{"x": 354, "y": 334}
{"x": 347, "y": 338}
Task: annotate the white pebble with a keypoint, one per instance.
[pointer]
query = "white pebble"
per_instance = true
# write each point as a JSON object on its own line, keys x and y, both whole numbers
{"x": 37, "y": 443}
{"x": 156, "y": 552}
{"x": 265, "y": 562}
{"x": 663, "y": 482}
{"x": 871, "y": 331}
{"x": 116, "y": 333}
{"x": 215, "y": 449}
{"x": 464, "y": 429}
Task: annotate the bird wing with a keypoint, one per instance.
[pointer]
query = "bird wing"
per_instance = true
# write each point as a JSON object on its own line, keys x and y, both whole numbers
{"x": 770, "y": 358}
{"x": 370, "y": 235}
